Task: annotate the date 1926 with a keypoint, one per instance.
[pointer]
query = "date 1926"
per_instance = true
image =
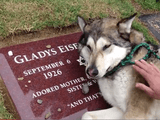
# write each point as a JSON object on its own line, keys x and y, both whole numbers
{"x": 51, "y": 74}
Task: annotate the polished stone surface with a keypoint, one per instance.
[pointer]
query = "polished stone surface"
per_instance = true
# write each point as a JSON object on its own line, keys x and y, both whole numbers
{"x": 153, "y": 23}
{"x": 44, "y": 79}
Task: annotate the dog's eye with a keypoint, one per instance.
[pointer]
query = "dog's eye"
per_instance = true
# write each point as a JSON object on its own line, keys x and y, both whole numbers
{"x": 89, "y": 47}
{"x": 106, "y": 46}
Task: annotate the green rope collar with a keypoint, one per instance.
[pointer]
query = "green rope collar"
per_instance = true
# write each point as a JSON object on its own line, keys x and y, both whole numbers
{"x": 127, "y": 59}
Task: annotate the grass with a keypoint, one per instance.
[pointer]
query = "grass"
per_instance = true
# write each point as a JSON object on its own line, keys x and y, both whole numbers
{"x": 149, "y": 4}
{"x": 123, "y": 6}
{"x": 31, "y": 15}
{"x": 19, "y": 15}
{"x": 28, "y": 15}
{"x": 4, "y": 114}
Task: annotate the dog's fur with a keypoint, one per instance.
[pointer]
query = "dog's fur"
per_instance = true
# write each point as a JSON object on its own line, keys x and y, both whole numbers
{"x": 103, "y": 44}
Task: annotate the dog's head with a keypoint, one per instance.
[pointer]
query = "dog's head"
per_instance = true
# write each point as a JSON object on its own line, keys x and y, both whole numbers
{"x": 104, "y": 43}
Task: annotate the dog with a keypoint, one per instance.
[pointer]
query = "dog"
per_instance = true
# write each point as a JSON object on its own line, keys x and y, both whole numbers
{"x": 103, "y": 45}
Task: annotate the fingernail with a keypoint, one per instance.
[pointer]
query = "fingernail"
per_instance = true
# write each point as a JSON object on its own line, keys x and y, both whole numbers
{"x": 134, "y": 66}
{"x": 151, "y": 63}
{"x": 137, "y": 85}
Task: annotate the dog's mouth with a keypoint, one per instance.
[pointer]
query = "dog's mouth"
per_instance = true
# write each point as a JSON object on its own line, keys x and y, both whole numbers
{"x": 95, "y": 78}
{"x": 83, "y": 62}
{"x": 98, "y": 77}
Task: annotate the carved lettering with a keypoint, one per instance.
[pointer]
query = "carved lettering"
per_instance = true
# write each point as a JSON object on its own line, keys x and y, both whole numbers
{"x": 19, "y": 59}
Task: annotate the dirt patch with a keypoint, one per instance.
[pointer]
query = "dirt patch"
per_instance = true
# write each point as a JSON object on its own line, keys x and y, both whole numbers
{"x": 25, "y": 37}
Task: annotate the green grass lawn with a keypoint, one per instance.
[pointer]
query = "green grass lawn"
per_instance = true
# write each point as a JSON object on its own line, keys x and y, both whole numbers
{"x": 149, "y": 4}
{"x": 30, "y": 15}
{"x": 4, "y": 114}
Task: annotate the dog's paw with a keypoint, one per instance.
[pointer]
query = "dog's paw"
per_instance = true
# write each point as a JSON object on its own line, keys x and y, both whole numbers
{"x": 88, "y": 116}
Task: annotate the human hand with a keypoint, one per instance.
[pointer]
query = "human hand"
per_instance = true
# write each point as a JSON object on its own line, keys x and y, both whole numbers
{"x": 152, "y": 75}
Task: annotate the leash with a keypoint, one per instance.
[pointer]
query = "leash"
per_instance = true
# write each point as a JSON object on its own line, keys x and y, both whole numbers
{"x": 127, "y": 59}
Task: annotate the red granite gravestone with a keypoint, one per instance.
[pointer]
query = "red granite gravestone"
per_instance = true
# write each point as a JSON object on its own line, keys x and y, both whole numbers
{"x": 44, "y": 79}
{"x": 153, "y": 23}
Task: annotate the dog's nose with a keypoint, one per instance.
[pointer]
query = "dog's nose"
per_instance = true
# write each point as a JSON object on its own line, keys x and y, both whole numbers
{"x": 92, "y": 72}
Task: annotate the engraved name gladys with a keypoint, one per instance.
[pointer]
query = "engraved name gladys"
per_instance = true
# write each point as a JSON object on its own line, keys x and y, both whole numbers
{"x": 19, "y": 59}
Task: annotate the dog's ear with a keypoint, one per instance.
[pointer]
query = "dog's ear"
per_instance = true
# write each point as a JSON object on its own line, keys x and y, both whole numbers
{"x": 81, "y": 23}
{"x": 124, "y": 26}
{"x": 136, "y": 37}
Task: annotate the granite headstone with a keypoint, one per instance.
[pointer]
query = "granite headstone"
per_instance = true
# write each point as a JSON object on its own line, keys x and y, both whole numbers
{"x": 44, "y": 79}
{"x": 153, "y": 23}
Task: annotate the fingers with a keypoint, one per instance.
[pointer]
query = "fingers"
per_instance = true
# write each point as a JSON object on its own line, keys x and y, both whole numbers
{"x": 144, "y": 62}
{"x": 150, "y": 68}
{"x": 146, "y": 89}
{"x": 150, "y": 73}
{"x": 144, "y": 65}
{"x": 139, "y": 63}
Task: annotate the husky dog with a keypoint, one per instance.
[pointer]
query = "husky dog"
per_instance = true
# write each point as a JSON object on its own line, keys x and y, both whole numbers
{"x": 103, "y": 44}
